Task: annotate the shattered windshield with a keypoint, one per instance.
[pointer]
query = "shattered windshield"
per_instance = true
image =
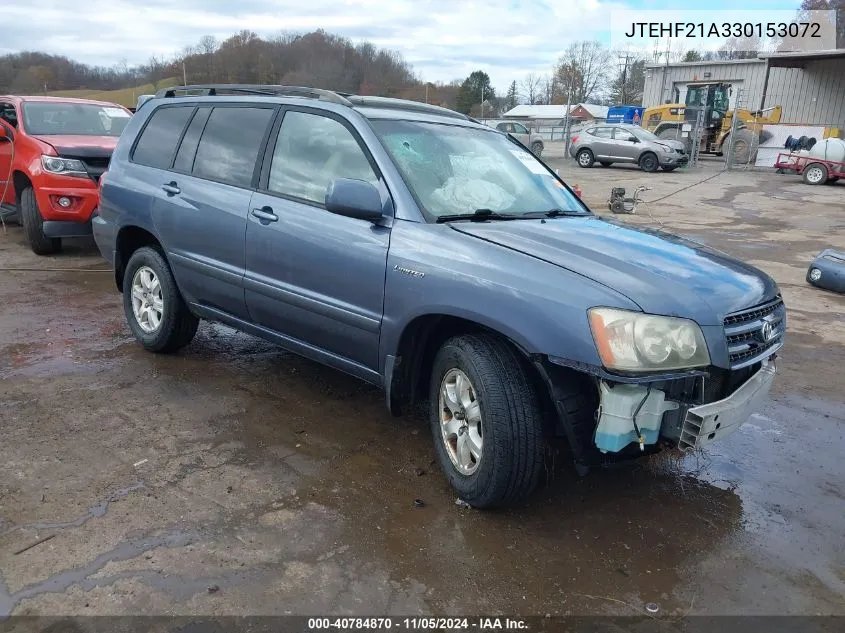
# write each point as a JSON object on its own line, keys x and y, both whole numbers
{"x": 456, "y": 170}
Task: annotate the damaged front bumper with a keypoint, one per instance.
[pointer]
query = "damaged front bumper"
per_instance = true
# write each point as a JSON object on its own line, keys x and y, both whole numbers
{"x": 706, "y": 423}
{"x": 688, "y": 419}
{"x": 637, "y": 415}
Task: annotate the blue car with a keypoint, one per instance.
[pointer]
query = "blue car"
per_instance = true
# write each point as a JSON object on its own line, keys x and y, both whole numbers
{"x": 423, "y": 252}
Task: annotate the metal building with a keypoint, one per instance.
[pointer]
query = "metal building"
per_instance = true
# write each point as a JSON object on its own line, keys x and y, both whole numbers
{"x": 810, "y": 86}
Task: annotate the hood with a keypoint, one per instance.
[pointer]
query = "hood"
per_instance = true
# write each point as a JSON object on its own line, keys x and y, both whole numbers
{"x": 81, "y": 146}
{"x": 671, "y": 143}
{"x": 660, "y": 272}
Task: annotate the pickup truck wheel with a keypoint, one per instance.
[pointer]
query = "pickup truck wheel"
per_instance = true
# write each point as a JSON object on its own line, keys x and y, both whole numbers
{"x": 33, "y": 223}
{"x": 486, "y": 421}
{"x": 585, "y": 158}
{"x": 155, "y": 310}
{"x": 537, "y": 148}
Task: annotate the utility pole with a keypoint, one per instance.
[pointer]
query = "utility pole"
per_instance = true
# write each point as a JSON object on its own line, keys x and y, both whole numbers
{"x": 566, "y": 124}
{"x": 482, "y": 102}
{"x": 426, "y": 92}
{"x": 184, "y": 74}
{"x": 665, "y": 70}
{"x": 623, "y": 94}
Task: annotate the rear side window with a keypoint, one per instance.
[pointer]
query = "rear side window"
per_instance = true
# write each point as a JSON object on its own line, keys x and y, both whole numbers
{"x": 602, "y": 132}
{"x": 230, "y": 144}
{"x": 158, "y": 141}
{"x": 188, "y": 149}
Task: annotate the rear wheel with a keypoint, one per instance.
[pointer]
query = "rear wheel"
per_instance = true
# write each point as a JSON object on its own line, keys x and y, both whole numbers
{"x": 486, "y": 421}
{"x": 154, "y": 308}
{"x": 537, "y": 148}
{"x": 648, "y": 162}
{"x": 606, "y": 163}
{"x": 585, "y": 158}
{"x": 815, "y": 174}
{"x": 33, "y": 226}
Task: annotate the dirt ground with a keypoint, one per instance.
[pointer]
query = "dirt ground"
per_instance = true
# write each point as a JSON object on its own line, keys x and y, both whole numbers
{"x": 235, "y": 478}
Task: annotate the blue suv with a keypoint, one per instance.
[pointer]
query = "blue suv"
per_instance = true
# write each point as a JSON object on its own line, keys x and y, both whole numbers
{"x": 421, "y": 251}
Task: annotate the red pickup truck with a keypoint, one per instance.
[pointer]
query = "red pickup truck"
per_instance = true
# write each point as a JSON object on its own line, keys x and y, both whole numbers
{"x": 53, "y": 151}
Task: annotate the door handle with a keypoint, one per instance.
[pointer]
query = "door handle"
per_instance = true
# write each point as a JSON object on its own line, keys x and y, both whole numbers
{"x": 171, "y": 188}
{"x": 265, "y": 214}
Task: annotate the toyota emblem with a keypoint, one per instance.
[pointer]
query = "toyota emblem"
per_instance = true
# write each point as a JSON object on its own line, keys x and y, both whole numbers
{"x": 767, "y": 332}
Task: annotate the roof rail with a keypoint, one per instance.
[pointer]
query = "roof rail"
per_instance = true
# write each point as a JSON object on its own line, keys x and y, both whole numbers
{"x": 403, "y": 104}
{"x": 253, "y": 89}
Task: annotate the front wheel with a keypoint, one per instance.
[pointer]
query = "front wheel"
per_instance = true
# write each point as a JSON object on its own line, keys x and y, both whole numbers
{"x": 585, "y": 158}
{"x": 537, "y": 148}
{"x": 33, "y": 226}
{"x": 486, "y": 421}
{"x": 154, "y": 308}
{"x": 648, "y": 162}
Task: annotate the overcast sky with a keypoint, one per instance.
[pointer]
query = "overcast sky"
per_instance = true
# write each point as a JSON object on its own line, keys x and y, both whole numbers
{"x": 442, "y": 39}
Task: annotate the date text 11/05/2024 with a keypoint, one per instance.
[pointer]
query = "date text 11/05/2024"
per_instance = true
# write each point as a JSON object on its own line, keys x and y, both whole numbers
{"x": 417, "y": 624}
{"x": 703, "y": 30}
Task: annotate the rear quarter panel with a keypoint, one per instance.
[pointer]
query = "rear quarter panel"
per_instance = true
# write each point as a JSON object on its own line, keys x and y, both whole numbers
{"x": 126, "y": 193}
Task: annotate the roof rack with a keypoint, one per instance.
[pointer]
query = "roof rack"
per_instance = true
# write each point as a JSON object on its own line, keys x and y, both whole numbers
{"x": 342, "y": 98}
{"x": 403, "y": 104}
{"x": 212, "y": 90}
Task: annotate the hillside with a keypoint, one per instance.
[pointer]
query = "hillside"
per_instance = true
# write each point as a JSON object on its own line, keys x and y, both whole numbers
{"x": 127, "y": 97}
{"x": 317, "y": 59}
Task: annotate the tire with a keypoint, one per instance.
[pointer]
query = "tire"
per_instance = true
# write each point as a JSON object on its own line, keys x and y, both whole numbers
{"x": 649, "y": 162}
{"x": 509, "y": 434}
{"x": 176, "y": 326}
{"x": 537, "y": 148}
{"x": 742, "y": 148}
{"x": 605, "y": 163}
{"x": 585, "y": 158}
{"x": 815, "y": 174}
{"x": 32, "y": 222}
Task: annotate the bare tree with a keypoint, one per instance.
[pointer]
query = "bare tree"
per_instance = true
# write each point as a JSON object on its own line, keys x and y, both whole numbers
{"x": 582, "y": 71}
{"x": 531, "y": 88}
{"x": 740, "y": 48}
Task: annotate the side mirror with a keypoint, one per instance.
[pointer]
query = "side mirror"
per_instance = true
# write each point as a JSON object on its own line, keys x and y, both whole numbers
{"x": 633, "y": 139}
{"x": 354, "y": 199}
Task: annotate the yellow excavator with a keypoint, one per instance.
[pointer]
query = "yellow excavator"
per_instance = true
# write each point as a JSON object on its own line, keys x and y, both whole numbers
{"x": 676, "y": 121}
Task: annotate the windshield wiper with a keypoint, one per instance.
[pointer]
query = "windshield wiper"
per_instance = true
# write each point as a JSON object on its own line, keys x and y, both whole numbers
{"x": 480, "y": 215}
{"x": 553, "y": 213}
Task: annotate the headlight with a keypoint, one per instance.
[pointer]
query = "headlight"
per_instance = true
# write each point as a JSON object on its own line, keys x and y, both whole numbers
{"x": 665, "y": 149}
{"x": 66, "y": 166}
{"x": 633, "y": 341}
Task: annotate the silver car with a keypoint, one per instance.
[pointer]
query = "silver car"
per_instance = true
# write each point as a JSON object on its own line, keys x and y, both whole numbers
{"x": 532, "y": 141}
{"x": 608, "y": 143}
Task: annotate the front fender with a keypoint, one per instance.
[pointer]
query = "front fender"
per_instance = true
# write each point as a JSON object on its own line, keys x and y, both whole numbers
{"x": 435, "y": 270}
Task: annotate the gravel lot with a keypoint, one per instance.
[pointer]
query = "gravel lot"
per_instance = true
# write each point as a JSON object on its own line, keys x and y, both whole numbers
{"x": 288, "y": 487}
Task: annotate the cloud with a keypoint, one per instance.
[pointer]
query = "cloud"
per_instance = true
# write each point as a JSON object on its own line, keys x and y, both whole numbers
{"x": 442, "y": 39}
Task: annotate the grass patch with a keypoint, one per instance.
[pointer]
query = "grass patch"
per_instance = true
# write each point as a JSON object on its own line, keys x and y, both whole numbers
{"x": 127, "y": 97}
